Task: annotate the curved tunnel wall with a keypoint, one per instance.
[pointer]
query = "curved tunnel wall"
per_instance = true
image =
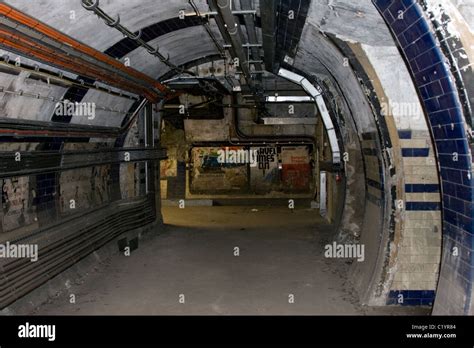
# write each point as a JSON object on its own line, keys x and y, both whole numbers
{"x": 448, "y": 128}
{"x": 453, "y": 295}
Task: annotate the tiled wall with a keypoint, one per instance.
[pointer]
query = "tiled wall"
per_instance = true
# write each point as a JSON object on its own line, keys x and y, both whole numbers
{"x": 420, "y": 248}
{"x": 440, "y": 100}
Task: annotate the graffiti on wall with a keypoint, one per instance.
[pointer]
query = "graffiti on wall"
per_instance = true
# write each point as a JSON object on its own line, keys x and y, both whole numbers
{"x": 208, "y": 174}
{"x": 296, "y": 168}
{"x": 279, "y": 169}
{"x": 265, "y": 176}
{"x": 17, "y": 203}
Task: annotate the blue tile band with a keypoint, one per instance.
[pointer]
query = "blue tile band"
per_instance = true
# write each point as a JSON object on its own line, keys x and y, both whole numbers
{"x": 439, "y": 98}
{"x": 420, "y": 188}
{"x": 425, "y": 206}
{"x": 404, "y": 134}
{"x": 415, "y": 152}
{"x": 411, "y": 297}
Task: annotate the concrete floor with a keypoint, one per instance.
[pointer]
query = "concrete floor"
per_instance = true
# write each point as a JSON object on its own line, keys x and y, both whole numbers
{"x": 281, "y": 253}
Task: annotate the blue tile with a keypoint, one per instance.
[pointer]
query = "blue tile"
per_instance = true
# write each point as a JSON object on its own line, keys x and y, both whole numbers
{"x": 434, "y": 89}
{"x": 415, "y": 152}
{"x": 467, "y": 239}
{"x": 468, "y": 208}
{"x": 404, "y": 134}
{"x": 419, "y": 188}
{"x": 412, "y": 51}
{"x": 411, "y": 297}
{"x": 464, "y": 270}
{"x": 408, "y": 3}
{"x": 464, "y": 193}
{"x": 430, "y": 74}
{"x": 423, "y": 206}
{"x": 427, "y": 294}
{"x": 456, "y": 204}
{"x": 412, "y": 14}
{"x": 446, "y": 85}
{"x": 466, "y": 180}
{"x": 454, "y": 162}
{"x": 446, "y": 146}
{"x": 462, "y": 147}
{"x": 424, "y": 93}
{"x": 441, "y": 103}
{"x": 456, "y": 115}
{"x": 455, "y": 130}
{"x": 448, "y": 101}
{"x": 454, "y": 176}
{"x": 439, "y": 132}
{"x": 432, "y": 105}
{"x": 412, "y": 302}
{"x": 403, "y": 41}
{"x": 450, "y": 217}
{"x": 425, "y": 43}
{"x": 388, "y": 17}
{"x": 465, "y": 223}
{"x": 396, "y": 8}
{"x": 412, "y": 33}
{"x": 427, "y": 302}
{"x": 451, "y": 231}
{"x": 383, "y": 4}
{"x": 398, "y": 25}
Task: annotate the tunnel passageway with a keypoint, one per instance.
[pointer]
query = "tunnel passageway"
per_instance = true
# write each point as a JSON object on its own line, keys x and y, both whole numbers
{"x": 254, "y": 156}
{"x": 279, "y": 255}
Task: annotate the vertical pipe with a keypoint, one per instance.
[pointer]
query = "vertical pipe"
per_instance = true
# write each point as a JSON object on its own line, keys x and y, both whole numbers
{"x": 235, "y": 35}
{"x": 251, "y": 32}
{"x": 268, "y": 10}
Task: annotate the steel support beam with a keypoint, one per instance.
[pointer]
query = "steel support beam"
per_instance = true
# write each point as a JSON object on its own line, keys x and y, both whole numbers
{"x": 268, "y": 10}
{"x": 39, "y": 162}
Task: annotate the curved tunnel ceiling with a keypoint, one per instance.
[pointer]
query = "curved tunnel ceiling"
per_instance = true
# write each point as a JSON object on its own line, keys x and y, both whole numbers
{"x": 189, "y": 42}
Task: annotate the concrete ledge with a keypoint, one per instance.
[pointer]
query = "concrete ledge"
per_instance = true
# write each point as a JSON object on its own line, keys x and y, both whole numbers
{"x": 188, "y": 202}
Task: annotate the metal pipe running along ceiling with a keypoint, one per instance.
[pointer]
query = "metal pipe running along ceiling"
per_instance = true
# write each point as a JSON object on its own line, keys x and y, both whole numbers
{"x": 27, "y": 36}
{"x": 317, "y": 96}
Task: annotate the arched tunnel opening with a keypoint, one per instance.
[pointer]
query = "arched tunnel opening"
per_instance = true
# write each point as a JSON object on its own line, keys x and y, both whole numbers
{"x": 236, "y": 157}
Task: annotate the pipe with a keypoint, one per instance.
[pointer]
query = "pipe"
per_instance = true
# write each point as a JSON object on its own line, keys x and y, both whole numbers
{"x": 206, "y": 26}
{"x": 59, "y": 79}
{"x": 93, "y": 5}
{"x": 321, "y": 104}
{"x": 66, "y": 42}
{"x": 18, "y": 42}
{"x": 268, "y": 8}
{"x": 268, "y": 138}
{"x": 235, "y": 35}
{"x": 251, "y": 33}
